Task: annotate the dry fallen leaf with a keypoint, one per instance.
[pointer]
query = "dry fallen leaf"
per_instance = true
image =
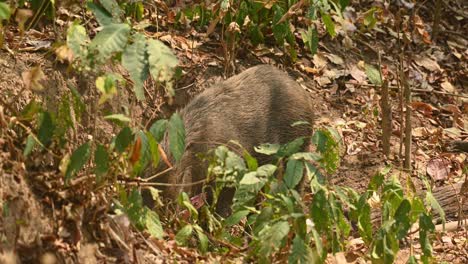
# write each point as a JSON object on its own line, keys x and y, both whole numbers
{"x": 448, "y": 87}
{"x": 64, "y": 53}
{"x": 357, "y": 74}
{"x": 427, "y": 63}
{"x": 438, "y": 169}
{"x": 33, "y": 77}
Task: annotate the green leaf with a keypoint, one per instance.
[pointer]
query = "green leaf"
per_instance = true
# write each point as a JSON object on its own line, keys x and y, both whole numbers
{"x": 123, "y": 139}
{"x": 111, "y": 39}
{"x": 113, "y": 8}
{"x": 5, "y": 12}
{"x": 202, "y": 238}
{"x": 402, "y": 219}
{"x": 412, "y": 260}
{"x": 344, "y": 4}
{"x": 364, "y": 222}
{"x": 319, "y": 253}
{"x": 101, "y": 159}
{"x": 271, "y": 237}
{"x": 77, "y": 39}
{"x": 267, "y": 149}
{"x": 46, "y": 129}
{"x": 281, "y": 30}
{"x": 30, "y": 110}
{"x": 30, "y": 142}
{"x": 300, "y": 252}
{"x": 134, "y": 59}
{"x": 294, "y": 173}
{"x": 310, "y": 38}
{"x": 373, "y": 74}
{"x": 183, "y": 235}
{"x": 144, "y": 155}
{"x": 320, "y": 211}
{"x": 154, "y": 149}
{"x": 153, "y": 224}
{"x": 107, "y": 86}
{"x": 329, "y": 24}
{"x": 102, "y": 15}
{"x": 307, "y": 156}
{"x": 158, "y": 129}
{"x": 425, "y": 227}
{"x": 291, "y": 147}
{"x": 78, "y": 159}
{"x": 266, "y": 170}
{"x": 250, "y": 179}
{"x": 430, "y": 199}
{"x": 369, "y": 18}
{"x": 176, "y": 136}
{"x": 162, "y": 63}
{"x": 236, "y": 217}
{"x": 252, "y": 163}
{"x": 118, "y": 117}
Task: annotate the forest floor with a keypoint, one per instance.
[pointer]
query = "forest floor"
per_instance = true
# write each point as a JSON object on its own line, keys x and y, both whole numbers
{"x": 51, "y": 221}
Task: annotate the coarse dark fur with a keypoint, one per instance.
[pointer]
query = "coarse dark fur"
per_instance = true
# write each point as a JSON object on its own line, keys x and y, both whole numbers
{"x": 257, "y": 106}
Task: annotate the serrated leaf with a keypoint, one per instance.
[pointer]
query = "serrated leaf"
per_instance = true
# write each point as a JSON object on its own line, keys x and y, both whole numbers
{"x": 271, "y": 237}
{"x": 373, "y": 74}
{"x": 77, "y": 160}
{"x": 153, "y": 224}
{"x": 184, "y": 234}
{"x": 118, "y": 117}
{"x": 30, "y": 142}
{"x": 101, "y": 14}
{"x": 158, "y": 129}
{"x": 46, "y": 129}
{"x": 101, "y": 159}
{"x": 123, "y": 139}
{"x": 134, "y": 59}
{"x": 329, "y": 24}
{"x": 111, "y": 39}
{"x": 294, "y": 173}
{"x": 5, "y": 11}
{"x": 113, "y": 8}
{"x": 176, "y": 136}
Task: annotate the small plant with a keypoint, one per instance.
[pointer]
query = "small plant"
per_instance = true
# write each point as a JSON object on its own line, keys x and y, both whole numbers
{"x": 282, "y": 224}
{"x": 118, "y": 42}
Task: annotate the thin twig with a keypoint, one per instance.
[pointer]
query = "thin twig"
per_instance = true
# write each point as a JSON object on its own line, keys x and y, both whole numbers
{"x": 152, "y": 177}
{"x": 140, "y": 182}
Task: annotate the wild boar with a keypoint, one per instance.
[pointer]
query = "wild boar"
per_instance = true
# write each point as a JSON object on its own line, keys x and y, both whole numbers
{"x": 256, "y": 106}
